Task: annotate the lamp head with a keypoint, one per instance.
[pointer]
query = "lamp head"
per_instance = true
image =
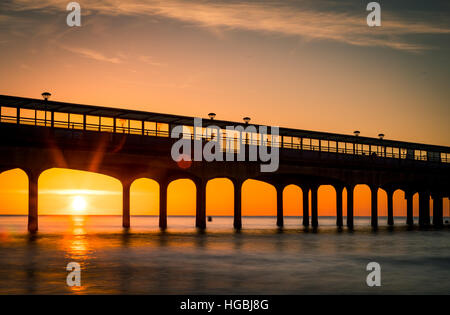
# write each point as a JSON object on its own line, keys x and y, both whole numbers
{"x": 46, "y": 95}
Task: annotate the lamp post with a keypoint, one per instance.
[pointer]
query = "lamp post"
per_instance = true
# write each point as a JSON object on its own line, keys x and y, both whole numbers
{"x": 246, "y": 120}
{"x": 46, "y": 95}
{"x": 356, "y": 133}
{"x": 212, "y": 116}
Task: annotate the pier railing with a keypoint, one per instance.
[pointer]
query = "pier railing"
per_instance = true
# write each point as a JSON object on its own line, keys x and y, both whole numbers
{"x": 40, "y": 113}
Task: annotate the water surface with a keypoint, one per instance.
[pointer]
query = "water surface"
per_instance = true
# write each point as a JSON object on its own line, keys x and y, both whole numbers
{"x": 258, "y": 260}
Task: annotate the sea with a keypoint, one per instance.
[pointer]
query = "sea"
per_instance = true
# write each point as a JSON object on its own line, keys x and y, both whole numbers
{"x": 259, "y": 259}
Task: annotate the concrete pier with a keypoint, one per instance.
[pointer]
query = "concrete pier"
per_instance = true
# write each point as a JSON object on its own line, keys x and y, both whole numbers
{"x": 339, "y": 217}
{"x": 314, "y": 214}
{"x": 409, "y": 208}
{"x": 424, "y": 208}
{"x": 438, "y": 210}
{"x": 237, "y": 222}
{"x": 163, "y": 204}
{"x": 374, "y": 207}
{"x": 200, "y": 217}
{"x": 305, "y": 190}
{"x": 126, "y": 204}
{"x": 280, "y": 221}
{"x": 350, "y": 206}
{"x": 32, "y": 202}
{"x": 390, "y": 206}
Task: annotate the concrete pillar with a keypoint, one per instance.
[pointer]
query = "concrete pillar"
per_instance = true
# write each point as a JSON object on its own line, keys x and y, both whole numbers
{"x": 314, "y": 214}
{"x": 424, "y": 208}
{"x": 305, "y": 206}
{"x": 350, "y": 205}
{"x": 32, "y": 202}
{"x": 390, "y": 204}
{"x": 339, "y": 219}
{"x": 280, "y": 221}
{"x": 409, "y": 208}
{"x": 126, "y": 204}
{"x": 438, "y": 210}
{"x": 237, "y": 223}
{"x": 163, "y": 204}
{"x": 374, "y": 207}
{"x": 200, "y": 215}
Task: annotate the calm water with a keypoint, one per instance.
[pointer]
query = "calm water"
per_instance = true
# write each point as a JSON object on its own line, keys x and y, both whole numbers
{"x": 258, "y": 260}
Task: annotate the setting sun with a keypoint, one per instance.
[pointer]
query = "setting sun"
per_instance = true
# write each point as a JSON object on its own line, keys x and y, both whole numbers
{"x": 79, "y": 204}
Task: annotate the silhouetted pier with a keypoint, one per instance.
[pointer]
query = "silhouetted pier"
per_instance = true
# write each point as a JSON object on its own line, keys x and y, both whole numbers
{"x": 39, "y": 134}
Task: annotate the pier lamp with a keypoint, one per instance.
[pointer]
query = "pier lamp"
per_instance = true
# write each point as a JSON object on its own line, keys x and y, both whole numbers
{"x": 212, "y": 116}
{"x": 246, "y": 120}
{"x": 357, "y": 133}
{"x": 381, "y": 136}
{"x": 46, "y": 95}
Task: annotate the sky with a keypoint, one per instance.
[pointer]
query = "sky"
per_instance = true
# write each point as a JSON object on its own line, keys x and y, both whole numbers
{"x": 312, "y": 65}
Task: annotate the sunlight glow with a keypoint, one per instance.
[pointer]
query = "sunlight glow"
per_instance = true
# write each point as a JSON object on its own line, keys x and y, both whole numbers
{"x": 79, "y": 204}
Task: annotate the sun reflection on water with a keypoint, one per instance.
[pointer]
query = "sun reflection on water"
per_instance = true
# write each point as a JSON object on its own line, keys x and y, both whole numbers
{"x": 76, "y": 246}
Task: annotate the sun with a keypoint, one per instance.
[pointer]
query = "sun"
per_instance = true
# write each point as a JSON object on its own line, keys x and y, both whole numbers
{"x": 79, "y": 204}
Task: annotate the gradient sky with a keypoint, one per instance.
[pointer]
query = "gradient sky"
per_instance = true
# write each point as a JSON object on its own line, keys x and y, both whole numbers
{"x": 302, "y": 64}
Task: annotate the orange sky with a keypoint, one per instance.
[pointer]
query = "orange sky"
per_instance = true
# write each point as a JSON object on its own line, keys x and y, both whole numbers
{"x": 307, "y": 64}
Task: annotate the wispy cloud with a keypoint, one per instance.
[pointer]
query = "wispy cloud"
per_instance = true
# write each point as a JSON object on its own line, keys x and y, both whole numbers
{"x": 95, "y": 55}
{"x": 150, "y": 61}
{"x": 282, "y": 18}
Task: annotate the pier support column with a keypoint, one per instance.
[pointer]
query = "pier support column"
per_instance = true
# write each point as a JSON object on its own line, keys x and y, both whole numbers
{"x": 374, "y": 207}
{"x": 314, "y": 214}
{"x": 280, "y": 221}
{"x": 32, "y": 202}
{"x": 438, "y": 210}
{"x": 305, "y": 191}
{"x": 350, "y": 206}
{"x": 163, "y": 204}
{"x": 200, "y": 215}
{"x": 126, "y": 204}
{"x": 424, "y": 208}
{"x": 409, "y": 208}
{"x": 237, "y": 223}
{"x": 390, "y": 206}
{"x": 339, "y": 219}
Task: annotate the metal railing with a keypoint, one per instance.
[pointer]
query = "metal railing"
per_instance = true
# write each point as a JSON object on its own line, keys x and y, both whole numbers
{"x": 233, "y": 143}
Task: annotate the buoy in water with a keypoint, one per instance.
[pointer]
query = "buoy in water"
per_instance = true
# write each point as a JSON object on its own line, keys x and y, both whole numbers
{"x": 209, "y": 219}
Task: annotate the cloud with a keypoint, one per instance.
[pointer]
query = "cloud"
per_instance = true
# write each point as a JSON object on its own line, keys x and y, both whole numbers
{"x": 149, "y": 60}
{"x": 283, "y": 18}
{"x": 95, "y": 55}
